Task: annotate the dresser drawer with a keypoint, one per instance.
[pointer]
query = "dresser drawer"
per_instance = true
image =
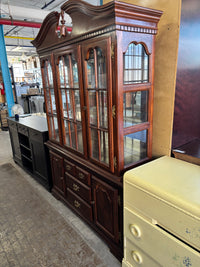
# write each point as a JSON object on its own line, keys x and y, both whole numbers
{"x": 23, "y": 130}
{"x": 157, "y": 243}
{"x": 79, "y": 205}
{"x": 174, "y": 219}
{"x": 134, "y": 256}
{"x": 69, "y": 167}
{"x": 79, "y": 188}
{"x": 83, "y": 176}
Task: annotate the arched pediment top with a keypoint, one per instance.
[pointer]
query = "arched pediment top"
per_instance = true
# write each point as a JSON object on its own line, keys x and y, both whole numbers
{"x": 88, "y": 19}
{"x": 50, "y": 21}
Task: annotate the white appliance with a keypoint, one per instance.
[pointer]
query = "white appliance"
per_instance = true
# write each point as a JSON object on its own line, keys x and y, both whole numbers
{"x": 162, "y": 214}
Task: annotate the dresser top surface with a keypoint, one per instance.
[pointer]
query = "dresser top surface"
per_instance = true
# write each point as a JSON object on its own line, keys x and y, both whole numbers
{"x": 170, "y": 179}
{"x": 38, "y": 123}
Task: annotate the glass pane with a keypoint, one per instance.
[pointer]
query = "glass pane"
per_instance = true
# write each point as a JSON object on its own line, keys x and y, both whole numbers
{"x": 50, "y": 75}
{"x": 101, "y": 68}
{"x": 95, "y": 144}
{"x": 73, "y": 135}
{"x": 135, "y": 147}
{"x": 48, "y": 101}
{"x": 93, "y": 107}
{"x": 61, "y": 73}
{"x": 56, "y": 128}
{"x": 103, "y": 118}
{"x": 91, "y": 70}
{"x": 45, "y": 75}
{"x": 67, "y": 72}
{"x": 135, "y": 108}
{"x": 80, "y": 137}
{"x": 75, "y": 72}
{"x": 136, "y": 64}
{"x": 70, "y": 103}
{"x": 53, "y": 101}
{"x": 104, "y": 147}
{"x": 67, "y": 133}
{"x": 64, "y": 103}
{"x": 77, "y": 105}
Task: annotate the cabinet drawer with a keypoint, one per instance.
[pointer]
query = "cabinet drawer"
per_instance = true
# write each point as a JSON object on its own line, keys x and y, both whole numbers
{"x": 134, "y": 256}
{"x": 23, "y": 130}
{"x": 69, "y": 167}
{"x": 79, "y": 188}
{"x": 12, "y": 124}
{"x": 83, "y": 176}
{"x": 35, "y": 135}
{"x": 79, "y": 205}
{"x": 158, "y": 243}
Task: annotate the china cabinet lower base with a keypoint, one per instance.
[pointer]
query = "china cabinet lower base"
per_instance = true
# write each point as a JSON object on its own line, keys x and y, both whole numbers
{"x": 92, "y": 193}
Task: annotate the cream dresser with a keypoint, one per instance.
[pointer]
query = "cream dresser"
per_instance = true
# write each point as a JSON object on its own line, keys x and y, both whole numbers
{"x": 162, "y": 214}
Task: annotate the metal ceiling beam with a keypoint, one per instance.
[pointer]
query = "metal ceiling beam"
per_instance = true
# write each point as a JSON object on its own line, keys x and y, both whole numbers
{"x": 22, "y": 23}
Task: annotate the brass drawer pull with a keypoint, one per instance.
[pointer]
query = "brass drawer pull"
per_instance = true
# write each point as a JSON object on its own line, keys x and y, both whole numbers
{"x": 77, "y": 204}
{"x": 76, "y": 187}
{"x": 80, "y": 175}
{"x": 68, "y": 167}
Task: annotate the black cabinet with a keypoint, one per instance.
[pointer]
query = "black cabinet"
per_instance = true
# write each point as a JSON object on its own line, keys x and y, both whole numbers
{"x": 27, "y": 139}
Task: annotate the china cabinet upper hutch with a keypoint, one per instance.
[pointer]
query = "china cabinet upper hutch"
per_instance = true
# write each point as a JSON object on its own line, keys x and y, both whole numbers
{"x": 98, "y": 87}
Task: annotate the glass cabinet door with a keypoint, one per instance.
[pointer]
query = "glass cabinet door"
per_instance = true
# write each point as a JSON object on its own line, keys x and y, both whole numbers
{"x": 135, "y": 103}
{"x": 50, "y": 100}
{"x": 69, "y": 95}
{"x": 98, "y": 93}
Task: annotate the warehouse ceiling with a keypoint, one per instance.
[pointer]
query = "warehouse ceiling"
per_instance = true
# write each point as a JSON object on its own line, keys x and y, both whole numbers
{"x": 18, "y": 38}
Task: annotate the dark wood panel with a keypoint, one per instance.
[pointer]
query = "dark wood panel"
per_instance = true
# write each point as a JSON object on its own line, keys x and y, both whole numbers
{"x": 105, "y": 207}
{"x": 187, "y": 98}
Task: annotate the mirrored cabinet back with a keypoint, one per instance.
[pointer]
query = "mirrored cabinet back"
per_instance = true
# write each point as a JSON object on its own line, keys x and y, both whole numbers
{"x": 98, "y": 84}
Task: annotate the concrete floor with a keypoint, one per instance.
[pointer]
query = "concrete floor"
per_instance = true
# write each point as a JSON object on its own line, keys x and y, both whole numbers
{"x": 90, "y": 237}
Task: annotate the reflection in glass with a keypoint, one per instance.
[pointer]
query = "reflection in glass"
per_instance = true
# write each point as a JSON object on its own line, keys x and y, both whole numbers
{"x": 66, "y": 133}
{"x": 50, "y": 75}
{"x": 64, "y": 103}
{"x": 67, "y": 71}
{"x": 77, "y": 105}
{"x": 101, "y": 68}
{"x": 54, "y": 134}
{"x": 75, "y": 72}
{"x": 135, "y": 147}
{"x": 103, "y": 117}
{"x": 70, "y": 103}
{"x": 53, "y": 101}
{"x": 136, "y": 64}
{"x": 56, "y": 128}
{"x": 135, "y": 108}
{"x": 48, "y": 101}
{"x": 80, "y": 137}
{"x": 104, "y": 147}
{"x": 91, "y": 70}
{"x": 94, "y": 142}
{"x": 73, "y": 135}
{"x": 45, "y": 74}
{"x": 93, "y": 107}
{"x": 61, "y": 73}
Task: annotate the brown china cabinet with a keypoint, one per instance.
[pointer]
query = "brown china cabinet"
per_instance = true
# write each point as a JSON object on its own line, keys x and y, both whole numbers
{"x": 98, "y": 87}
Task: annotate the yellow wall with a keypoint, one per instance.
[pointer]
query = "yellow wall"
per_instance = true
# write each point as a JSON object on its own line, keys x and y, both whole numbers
{"x": 166, "y": 52}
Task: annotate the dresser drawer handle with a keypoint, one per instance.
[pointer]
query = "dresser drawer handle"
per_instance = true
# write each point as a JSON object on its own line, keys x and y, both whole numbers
{"x": 68, "y": 167}
{"x": 80, "y": 175}
{"x": 77, "y": 204}
{"x": 76, "y": 187}
{"x": 136, "y": 257}
{"x": 135, "y": 230}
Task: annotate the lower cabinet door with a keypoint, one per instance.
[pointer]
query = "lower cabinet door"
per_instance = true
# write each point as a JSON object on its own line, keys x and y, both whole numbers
{"x": 57, "y": 174}
{"x": 105, "y": 208}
